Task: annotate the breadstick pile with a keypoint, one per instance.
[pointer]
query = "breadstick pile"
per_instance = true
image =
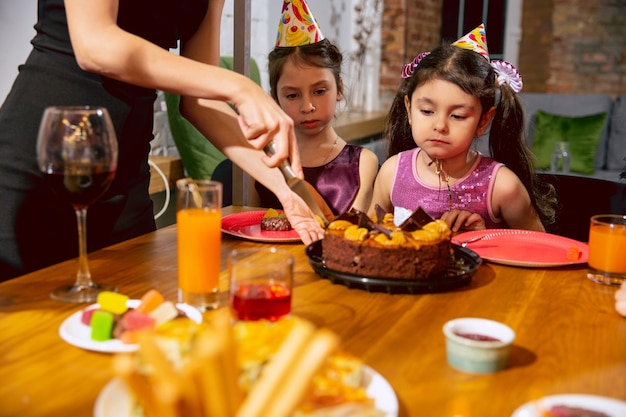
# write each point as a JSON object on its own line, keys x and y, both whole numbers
{"x": 205, "y": 382}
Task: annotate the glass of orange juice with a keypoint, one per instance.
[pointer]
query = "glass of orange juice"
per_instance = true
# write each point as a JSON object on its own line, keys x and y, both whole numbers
{"x": 607, "y": 247}
{"x": 199, "y": 232}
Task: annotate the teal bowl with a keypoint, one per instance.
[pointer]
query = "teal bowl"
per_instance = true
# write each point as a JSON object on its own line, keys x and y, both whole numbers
{"x": 478, "y": 345}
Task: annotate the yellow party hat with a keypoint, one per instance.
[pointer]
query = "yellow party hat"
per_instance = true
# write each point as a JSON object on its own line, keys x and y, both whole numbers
{"x": 297, "y": 25}
{"x": 475, "y": 41}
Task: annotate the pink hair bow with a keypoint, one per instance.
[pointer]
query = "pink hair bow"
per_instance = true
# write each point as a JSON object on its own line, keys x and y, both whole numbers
{"x": 508, "y": 74}
{"x": 409, "y": 68}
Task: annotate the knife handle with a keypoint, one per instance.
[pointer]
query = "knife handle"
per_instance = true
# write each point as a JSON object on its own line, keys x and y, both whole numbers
{"x": 285, "y": 166}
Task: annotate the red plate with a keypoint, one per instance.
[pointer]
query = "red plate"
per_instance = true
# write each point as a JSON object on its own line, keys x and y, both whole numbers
{"x": 247, "y": 225}
{"x": 523, "y": 247}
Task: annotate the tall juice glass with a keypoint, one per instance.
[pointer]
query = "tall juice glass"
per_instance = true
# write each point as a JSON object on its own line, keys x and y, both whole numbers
{"x": 198, "y": 222}
{"x": 607, "y": 249}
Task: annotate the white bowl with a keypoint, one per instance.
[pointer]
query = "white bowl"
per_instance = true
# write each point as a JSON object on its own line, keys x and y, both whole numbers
{"x": 478, "y": 345}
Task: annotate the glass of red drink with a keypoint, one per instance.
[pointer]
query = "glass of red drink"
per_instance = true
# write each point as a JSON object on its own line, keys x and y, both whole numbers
{"x": 260, "y": 283}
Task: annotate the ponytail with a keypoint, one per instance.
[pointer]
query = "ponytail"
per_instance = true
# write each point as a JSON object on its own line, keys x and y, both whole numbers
{"x": 507, "y": 144}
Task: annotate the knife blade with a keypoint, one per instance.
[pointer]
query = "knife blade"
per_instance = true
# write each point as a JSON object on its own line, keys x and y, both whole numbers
{"x": 305, "y": 190}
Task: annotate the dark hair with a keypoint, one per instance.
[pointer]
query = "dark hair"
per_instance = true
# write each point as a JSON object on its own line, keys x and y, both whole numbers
{"x": 321, "y": 54}
{"x": 472, "y": 73}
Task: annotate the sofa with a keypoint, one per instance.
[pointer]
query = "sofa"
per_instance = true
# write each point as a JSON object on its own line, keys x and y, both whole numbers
{"x": 593, "y": 124}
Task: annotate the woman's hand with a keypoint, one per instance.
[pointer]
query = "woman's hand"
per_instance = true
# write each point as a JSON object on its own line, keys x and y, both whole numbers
{"x": 462, "y": 219}
{"x": 301, "y": 218}
{"x": 620, "y": 300}
{"x": 261, "y": 120}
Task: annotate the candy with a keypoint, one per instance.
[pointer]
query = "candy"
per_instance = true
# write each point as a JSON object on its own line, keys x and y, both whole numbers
{"x": 85, "y": 318}
{"x": 136, "y": 320}
{"x": 101, "y": 325}
{"x": 113, "y": 302}
{"x": 150, "y": 300}
{"x": 165, "y": 312}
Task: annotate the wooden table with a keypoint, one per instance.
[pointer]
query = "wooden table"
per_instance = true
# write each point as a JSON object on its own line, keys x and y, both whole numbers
{"x": 569, "y": 337}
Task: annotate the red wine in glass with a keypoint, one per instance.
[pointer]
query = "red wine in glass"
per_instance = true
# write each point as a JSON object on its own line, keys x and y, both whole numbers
{"x": 77, "y": 155}
{"x": 268, "y": 301}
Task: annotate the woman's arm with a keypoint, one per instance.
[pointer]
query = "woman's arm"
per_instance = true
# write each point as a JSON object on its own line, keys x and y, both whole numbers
{"x": 103, "y": 47}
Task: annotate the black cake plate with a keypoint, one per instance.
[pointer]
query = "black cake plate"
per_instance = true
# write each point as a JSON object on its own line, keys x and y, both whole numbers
{"x": 463, "y": 264}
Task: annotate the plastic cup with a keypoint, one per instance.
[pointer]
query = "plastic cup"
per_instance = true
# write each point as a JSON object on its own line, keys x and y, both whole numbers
{"x": 260, "y": 283}
{"x": 607, "y": 243}
{"x": 198, "y": 219}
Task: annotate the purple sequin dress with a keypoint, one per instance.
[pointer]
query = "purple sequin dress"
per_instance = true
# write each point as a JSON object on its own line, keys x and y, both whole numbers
{"x": 337, "y": 181}
{"x": 471, "y": 193}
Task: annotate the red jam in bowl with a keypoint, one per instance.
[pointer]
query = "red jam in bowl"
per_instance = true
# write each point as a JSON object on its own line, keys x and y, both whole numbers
{"x": 479, "y": 337}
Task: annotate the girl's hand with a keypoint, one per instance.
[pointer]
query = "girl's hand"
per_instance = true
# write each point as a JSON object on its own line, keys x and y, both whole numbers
{"x": 302, "y": 219}
{"x": 462, "y": 219}
{"x": 620, "y": 300}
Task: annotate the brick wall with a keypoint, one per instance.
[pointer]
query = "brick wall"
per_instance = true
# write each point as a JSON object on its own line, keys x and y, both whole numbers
{"x": 574, "y": 46}
{"x": 409, "y": 27}
{"x": 567, "y": 46}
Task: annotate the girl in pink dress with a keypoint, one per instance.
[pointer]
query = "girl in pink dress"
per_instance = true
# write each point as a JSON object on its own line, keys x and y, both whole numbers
{"x": 448, "y": 98}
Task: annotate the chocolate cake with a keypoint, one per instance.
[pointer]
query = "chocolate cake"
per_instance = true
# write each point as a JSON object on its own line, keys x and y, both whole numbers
{"x": 356, "y": 244}
{"x": 275, "y": 221}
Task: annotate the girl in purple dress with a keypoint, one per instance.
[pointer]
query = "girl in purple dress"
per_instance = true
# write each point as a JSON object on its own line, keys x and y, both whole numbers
{"x": 305, "y": 80}
{"x": 446, "y": 100}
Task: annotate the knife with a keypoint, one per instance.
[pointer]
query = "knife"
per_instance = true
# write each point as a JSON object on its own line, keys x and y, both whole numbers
{"x": 305, "y": 190}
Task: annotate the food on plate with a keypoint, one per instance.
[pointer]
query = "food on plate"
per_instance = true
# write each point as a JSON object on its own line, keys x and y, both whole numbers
{"x": 111, "y": 318}
{"x": 287, "y": 368}
{"x": 355, "y": 244}
{"x": 567, "y": 411}
{"x": 573, "y": 253}
{"x": 273, "y": 220}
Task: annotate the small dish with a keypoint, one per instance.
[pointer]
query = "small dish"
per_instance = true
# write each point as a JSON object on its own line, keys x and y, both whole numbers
{"x": 478, "y": 345}
{"x": 74, "y": 332}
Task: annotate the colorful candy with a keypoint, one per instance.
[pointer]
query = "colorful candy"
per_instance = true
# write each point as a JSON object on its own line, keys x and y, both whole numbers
{"x": 113, "y": 302}
{"x": 101, "y": 325}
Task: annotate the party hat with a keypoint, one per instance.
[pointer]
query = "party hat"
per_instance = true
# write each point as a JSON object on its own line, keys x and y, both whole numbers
{"x": 297, "y": 25}
{"x": 475, "y": 41}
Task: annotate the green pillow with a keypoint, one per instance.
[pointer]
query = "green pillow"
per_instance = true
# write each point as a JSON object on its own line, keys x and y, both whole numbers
{"x": 582, "y": 133}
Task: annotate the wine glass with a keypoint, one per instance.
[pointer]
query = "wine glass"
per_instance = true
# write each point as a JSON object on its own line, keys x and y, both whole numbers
{"x": 77, "y": 154}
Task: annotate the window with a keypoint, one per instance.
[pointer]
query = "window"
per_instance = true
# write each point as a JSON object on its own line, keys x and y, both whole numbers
{"x": 461, "y": 16}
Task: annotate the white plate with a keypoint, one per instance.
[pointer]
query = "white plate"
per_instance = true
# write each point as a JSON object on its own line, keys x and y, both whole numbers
{"x": 74, "y": 332}
{"x": 609, "y": 406}
{"x": 114, "y": 399}
{"x": 527, "y": 248}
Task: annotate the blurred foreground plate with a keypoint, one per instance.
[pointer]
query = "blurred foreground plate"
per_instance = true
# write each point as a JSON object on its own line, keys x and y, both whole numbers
{"x": 115, "y": 399}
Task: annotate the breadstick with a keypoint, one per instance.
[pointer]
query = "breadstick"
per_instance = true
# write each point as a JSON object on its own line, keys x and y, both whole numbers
{"x": 163, "y": 377}
{"x": 125, "y": 368}
{"x": 264, "y": 390}
{"x": 229, "y": 360}
{"x": 295, "y": 384}
{"x": 211, "y": 374}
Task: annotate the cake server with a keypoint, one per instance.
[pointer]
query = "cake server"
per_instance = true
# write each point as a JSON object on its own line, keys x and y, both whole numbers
{"x": 305, "y": 190}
